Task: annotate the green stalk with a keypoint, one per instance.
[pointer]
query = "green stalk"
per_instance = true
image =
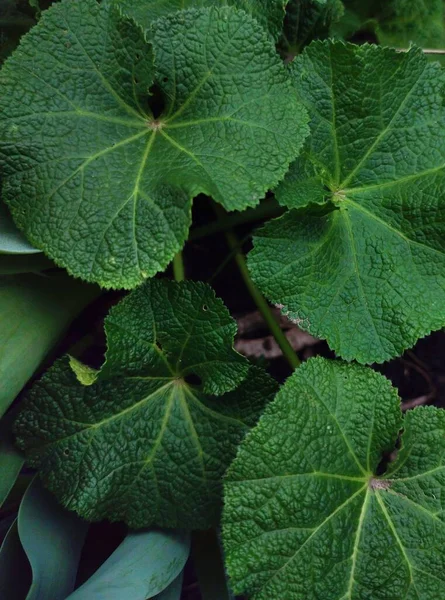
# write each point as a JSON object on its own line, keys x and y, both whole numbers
{"x": 178, "y": 267}
{"x": 260, "y": 301}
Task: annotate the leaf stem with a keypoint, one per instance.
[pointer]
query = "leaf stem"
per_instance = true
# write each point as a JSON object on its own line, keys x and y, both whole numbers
{"x": 209, "y": 566}
{"x": 261, "y": 303}
{"x": 178, "y": 267}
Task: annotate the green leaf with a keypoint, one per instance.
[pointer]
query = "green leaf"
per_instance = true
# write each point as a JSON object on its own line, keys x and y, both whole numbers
{"x": 307, "y": 20}
{"x": 305, "y": 515}
{"x": 146, "y": 442}
{"x": 270, "y": 13}
{"x": 52, "y": 539}
{"x": 79, "y": 130}
{"x": 365, "y": 269}
{"x": 34, "y": 313}
{"x": 412, "y": 21}
{"x": 144, "y": 564}
{"x": 11, "y": 240}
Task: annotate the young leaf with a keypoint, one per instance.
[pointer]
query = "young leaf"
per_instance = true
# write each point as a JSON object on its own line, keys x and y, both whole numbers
{"x": 146, "y": 442}
{"x": 366, "y": 269}
{"x": 305, "y": 515}
{"x": 270, "y": 13}
{"x": 103, "y": 183}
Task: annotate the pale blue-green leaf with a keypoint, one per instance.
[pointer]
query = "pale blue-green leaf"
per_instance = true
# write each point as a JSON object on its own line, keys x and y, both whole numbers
{"x": 34, "y": 313}
{"x": 142, "y": 566}
{"x": 173, "y": 591}
{"x": 52, "y": 539}
{"x": 15, "y": 572}
{"x": 12, "y": 241}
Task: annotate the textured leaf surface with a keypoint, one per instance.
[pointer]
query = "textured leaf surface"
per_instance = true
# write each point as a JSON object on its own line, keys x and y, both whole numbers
{"x": 270, "y": 13}
{"x": 305, "y": 518}
{"x": 97, "y": 181}
{"x": 146, "y": 442}
{"x": 307, "y": 20}
{"x": 145, "y": 564}
{"x": 366, "y": 268}
{"x": 407, "y": 21}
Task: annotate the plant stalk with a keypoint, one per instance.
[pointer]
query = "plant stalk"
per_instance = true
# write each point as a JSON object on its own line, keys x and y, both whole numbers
{"x": 261, "y": 303}
{"x": 178, "y": 267}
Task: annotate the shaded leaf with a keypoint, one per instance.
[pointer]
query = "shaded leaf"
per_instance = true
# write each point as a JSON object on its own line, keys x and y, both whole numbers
{"x": 145, "y": 442}
{"x": 11, "y": 240}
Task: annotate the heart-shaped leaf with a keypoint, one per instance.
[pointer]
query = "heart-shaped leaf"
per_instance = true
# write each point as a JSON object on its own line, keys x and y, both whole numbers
{"x": 101, "y": 181}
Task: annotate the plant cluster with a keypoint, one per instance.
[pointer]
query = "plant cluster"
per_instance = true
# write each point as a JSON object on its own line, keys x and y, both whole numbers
{"x": 114, "y": 117}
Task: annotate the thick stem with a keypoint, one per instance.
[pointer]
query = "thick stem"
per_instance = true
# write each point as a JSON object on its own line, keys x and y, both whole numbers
{"x": 260, "y": 301}
{"x": 178, "y": 267}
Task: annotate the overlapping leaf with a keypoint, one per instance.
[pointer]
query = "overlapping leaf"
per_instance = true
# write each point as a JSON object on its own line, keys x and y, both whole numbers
{"x": 270, "y": 13}
{"x": 102, "y": 183}
{"x": 361, "y": 262}
{"x": 306, "y": 518}
{"x": 146, "y": 442}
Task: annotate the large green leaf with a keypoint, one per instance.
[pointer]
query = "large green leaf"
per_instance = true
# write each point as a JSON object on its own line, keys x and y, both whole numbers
{"x": 146, "y": 442}
{"x": 11, "y": 460}
{"x": 34, "y": 313}
{"x": 173, "y": 592}
{"x": 361, "y": 262}
{"x": 305, "y": 515}
{"x": 104, "y": 185}
{"x": 144, "y": 565}
{"x": 270, "y": 13}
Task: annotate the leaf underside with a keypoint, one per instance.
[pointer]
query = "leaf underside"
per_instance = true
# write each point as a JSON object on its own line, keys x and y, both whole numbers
{"x": 147, "y": 441}
{"x": 101, "y": 183}
{"x": 305, "y": 517}
{"x": 360, "y": 261}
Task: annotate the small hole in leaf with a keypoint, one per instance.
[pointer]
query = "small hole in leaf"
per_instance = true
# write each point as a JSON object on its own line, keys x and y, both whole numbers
{"x": 159, "y": 345}
{"x": 156, "y": 101}
{"x": 165, "y": 79}
{"x": 193, "y": 379}
{"x": 136, "y": 80}
{"x": 66, "y": 452}
{"x": 138, "y": 56}
{"x": 205, "y": 308}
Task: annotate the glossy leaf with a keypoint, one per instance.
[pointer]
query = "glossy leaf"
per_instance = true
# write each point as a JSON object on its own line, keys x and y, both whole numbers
{"x": 173, "y": 592}
{"x": 361, "y": 262}
{"x": 78, "y": 127}
{"x": 145, "y": 564}
{"x": 52, "y": 539}
{"x": 34, "y": 313}
{"x": 11, "y": 240}
{"x": 146, "y": 442}
{"x": 306, "y": 516}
